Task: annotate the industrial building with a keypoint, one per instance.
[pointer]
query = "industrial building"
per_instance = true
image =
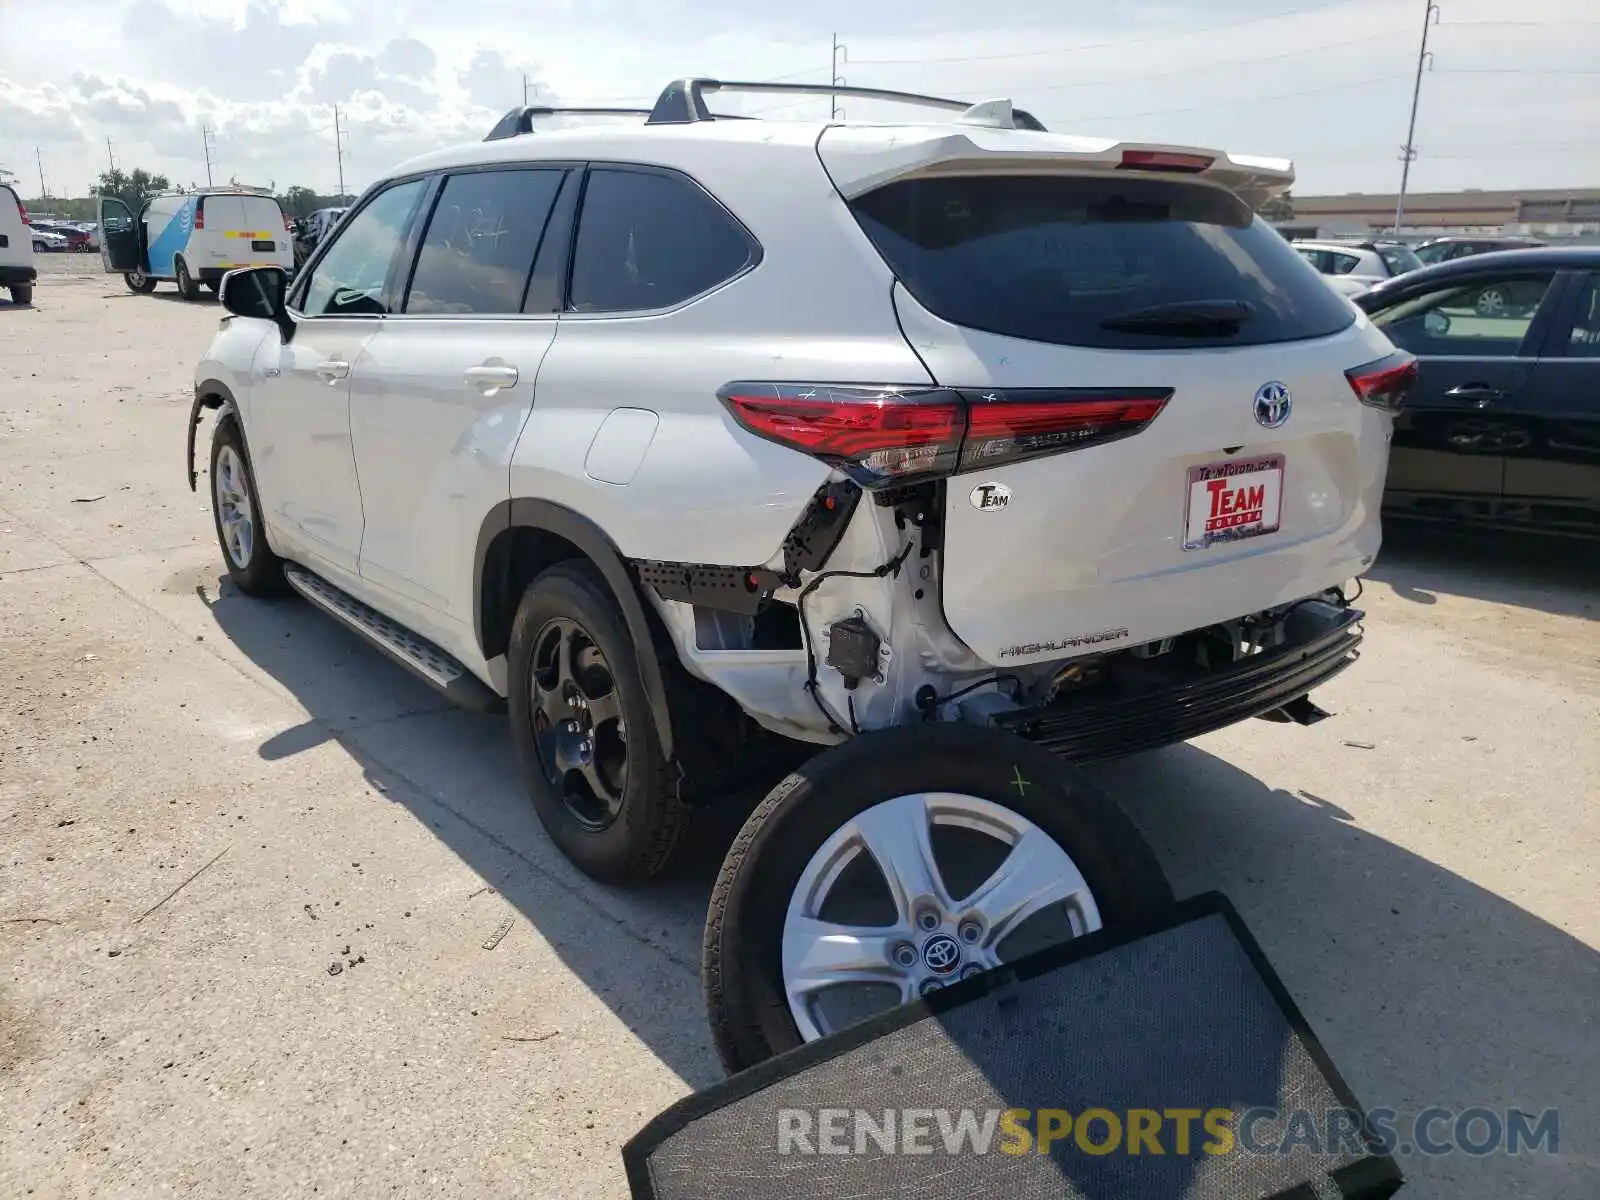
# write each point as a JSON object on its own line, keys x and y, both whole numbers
{"x": 1553, "y": 213}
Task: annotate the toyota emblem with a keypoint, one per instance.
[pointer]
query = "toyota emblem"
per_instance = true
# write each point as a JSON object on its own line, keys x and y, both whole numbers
{"x": 941, "y": 953}
{"x": 1272, "y": 405}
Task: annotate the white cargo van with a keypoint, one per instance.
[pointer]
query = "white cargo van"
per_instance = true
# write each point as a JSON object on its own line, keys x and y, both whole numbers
{"x": 17, "y": 271}
{"x": 193, "y": 239}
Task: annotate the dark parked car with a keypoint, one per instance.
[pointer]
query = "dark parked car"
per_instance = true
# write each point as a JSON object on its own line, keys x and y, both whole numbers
{"x": 1448, "y": 249}
{"x": 1503, "y": 424}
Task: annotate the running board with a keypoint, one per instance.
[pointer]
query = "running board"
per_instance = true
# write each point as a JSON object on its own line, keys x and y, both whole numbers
{"x": 418, "y": 655}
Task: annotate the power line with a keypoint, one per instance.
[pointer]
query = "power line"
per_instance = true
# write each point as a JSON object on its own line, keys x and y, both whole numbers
{"x": 1187, "y": 108}
{"x": 1158, "y": 37}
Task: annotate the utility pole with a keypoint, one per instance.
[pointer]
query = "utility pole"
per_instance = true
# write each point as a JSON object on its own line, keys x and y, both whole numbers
{"x": 524, "y": 91}
{"x": 1408, "y": 152}
{"x": 205, "y": 140}
{"x": 338, "y": 149}
{"x": 44, "y": 192}
{"x": 840, "y": 55}
{"x": 111, "y": 159}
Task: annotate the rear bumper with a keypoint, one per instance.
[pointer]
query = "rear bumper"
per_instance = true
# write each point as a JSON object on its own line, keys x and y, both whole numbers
{"x": 1147, "y": 706}
{"x": 12, "y": 276}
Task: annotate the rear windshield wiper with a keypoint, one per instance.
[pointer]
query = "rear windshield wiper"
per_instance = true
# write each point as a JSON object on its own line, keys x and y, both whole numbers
{"x": 1197, "y": 318}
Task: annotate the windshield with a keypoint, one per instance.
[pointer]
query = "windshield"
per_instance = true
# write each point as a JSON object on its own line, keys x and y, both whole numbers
{"x": 1067, "y": 259}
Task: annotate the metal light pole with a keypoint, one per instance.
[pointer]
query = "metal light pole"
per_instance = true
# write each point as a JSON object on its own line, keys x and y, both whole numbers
{"x": 840, "y": 55}
{"x": 1408, "y": 152}
{"x": 44, "y": 192}
{"x": 338, "y": 149}
{"x": 205, "y": 140}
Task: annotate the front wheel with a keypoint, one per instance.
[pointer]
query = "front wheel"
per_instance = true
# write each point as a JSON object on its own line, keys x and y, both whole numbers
{"x": 236, "y": 509}
{"x": 22, "y": 293}
{"x": 903, "y": 861}
{"x": 139, "y": 283}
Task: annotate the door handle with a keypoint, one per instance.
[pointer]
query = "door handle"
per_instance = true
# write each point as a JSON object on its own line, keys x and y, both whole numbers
{"x": 490, "y": 378}
{"x": 334, "y": 370}
{"x": 1479, "y": 395}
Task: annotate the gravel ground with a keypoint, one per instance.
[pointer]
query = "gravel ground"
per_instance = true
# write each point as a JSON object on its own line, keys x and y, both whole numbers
{"x": 318, "y": 1009}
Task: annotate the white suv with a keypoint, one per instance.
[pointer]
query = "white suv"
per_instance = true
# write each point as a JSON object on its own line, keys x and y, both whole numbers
{"x": 1351, "y": 268}
{"x": 957, "y": 443}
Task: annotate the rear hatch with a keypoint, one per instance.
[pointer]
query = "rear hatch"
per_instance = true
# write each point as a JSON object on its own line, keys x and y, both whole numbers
{"x": 250, "y": 230}
{"x": 1163, "y": 433}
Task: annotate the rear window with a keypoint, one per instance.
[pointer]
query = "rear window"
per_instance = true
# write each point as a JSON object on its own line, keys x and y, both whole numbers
{"x": 1051, "y": 258}
{"x": 1399, "y": 259}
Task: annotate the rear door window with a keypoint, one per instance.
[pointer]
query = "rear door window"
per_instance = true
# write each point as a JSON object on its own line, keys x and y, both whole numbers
{"x": 1054, "y": 258}
{"x": 651, "y": 240}
{"x": 1399, "y": 259}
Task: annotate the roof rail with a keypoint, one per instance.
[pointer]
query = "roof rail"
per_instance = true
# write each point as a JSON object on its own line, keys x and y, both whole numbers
{"x": 682, "y": 102}
{"x": 520, "y": 120}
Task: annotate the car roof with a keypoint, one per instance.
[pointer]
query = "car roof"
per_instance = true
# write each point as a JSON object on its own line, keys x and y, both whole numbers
{"x": 1346, "y": 246}
{"x": 1553, "y": 257}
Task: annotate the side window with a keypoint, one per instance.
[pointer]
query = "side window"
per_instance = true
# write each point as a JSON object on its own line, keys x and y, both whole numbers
{"x": 1341, "y": 264}
{"x": 1585, "y": 338}
{"x": 648, "y": 240}
{"x": 350, "y": 278}
{"x": 481, "y": 241}
{"x": 1481, "y": 319}
{"x": 1317, "y": 258}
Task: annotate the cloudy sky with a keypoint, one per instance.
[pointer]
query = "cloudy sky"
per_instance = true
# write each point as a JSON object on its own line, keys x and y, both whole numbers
{"x": 1513, "y": 98}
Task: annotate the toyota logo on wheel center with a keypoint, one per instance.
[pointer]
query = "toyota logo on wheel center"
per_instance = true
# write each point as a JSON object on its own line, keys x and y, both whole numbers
{"x": 941, "y": 953}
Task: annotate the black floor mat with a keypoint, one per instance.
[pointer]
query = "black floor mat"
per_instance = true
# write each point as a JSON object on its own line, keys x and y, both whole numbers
{"x": 1170, "y": 1065}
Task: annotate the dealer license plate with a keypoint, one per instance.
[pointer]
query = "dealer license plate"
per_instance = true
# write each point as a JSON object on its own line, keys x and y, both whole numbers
{"x": 1233, "y": 500}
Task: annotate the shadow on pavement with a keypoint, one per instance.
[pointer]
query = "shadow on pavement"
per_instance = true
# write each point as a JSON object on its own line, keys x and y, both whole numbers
{"x": 1560, "y": 576}
{"x": 1426, "y": 988}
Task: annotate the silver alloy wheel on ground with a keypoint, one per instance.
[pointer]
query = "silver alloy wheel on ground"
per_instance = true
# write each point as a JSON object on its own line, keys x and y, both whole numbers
{"x": 936, "y": 938}
{"x": 234, "y": 513}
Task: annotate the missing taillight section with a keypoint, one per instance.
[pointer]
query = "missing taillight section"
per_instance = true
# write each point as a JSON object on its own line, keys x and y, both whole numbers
{"x": 1384, "y": 383}
{"x": 882, "y": 436}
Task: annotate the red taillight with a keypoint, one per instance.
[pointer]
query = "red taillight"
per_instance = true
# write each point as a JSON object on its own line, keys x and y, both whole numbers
{"x": 22, "y": 212}
{"x": 287, "y": 228}
{"x": 200, "y": 213}
{"x": 1164, "y": 160}
{"x": 887, "y": 435}
{"x": 1384, "y": 383}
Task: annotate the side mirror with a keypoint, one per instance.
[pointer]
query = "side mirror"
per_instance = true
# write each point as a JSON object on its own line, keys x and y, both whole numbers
{"x": 258, "y": 292}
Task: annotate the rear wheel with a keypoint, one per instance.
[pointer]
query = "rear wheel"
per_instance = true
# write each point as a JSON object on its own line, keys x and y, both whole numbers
{"x": 22, "y": 293}
{"x": 139, "y": 282}
{"x": 900, "y": 862}
{"x": 584, "y": 731}
{"x": 187, "y": 287}
{"x": 1492, "y": 302}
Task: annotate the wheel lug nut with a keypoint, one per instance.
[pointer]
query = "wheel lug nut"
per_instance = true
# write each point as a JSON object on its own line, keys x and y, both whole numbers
{"x": 928, "y": 920}
{"x": 929, "y": 986}
{"x": 970, "y": 932}
{"x": 904, "y": 954}
{"x": 971, "y": 970}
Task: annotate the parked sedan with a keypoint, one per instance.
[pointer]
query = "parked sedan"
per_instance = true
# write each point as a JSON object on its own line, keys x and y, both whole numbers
{"x": 1503, "y": 424}
{"x": 1445, "y": 249}
{"x": 1353, "y": 267}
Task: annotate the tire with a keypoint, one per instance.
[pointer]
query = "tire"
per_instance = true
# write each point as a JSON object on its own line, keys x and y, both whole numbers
{"x": 211, "y": 286}
{"x": 1492, "y": 302}
{"x": 742, "y": 967}
{"x": 22, "y": 293}
{"x": 632, "y": 831}
{"x": 139, "y": 283}
{"x": 188, "y": 289}
{"x": 253, "y": 567}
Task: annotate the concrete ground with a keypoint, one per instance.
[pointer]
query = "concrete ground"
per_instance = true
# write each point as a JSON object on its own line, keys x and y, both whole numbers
{"x": 325, "y": 1008}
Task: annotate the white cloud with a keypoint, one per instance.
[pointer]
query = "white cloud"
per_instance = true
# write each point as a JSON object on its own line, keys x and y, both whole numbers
{"x": 1329, "y": 85}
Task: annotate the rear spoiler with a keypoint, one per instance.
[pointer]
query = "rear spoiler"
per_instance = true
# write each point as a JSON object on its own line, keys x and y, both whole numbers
{"x": 861, "y": 159}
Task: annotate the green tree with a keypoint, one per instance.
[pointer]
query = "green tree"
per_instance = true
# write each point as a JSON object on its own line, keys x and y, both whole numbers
{"x": 133, "y": 188}
{"x": 301, "y": 202}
